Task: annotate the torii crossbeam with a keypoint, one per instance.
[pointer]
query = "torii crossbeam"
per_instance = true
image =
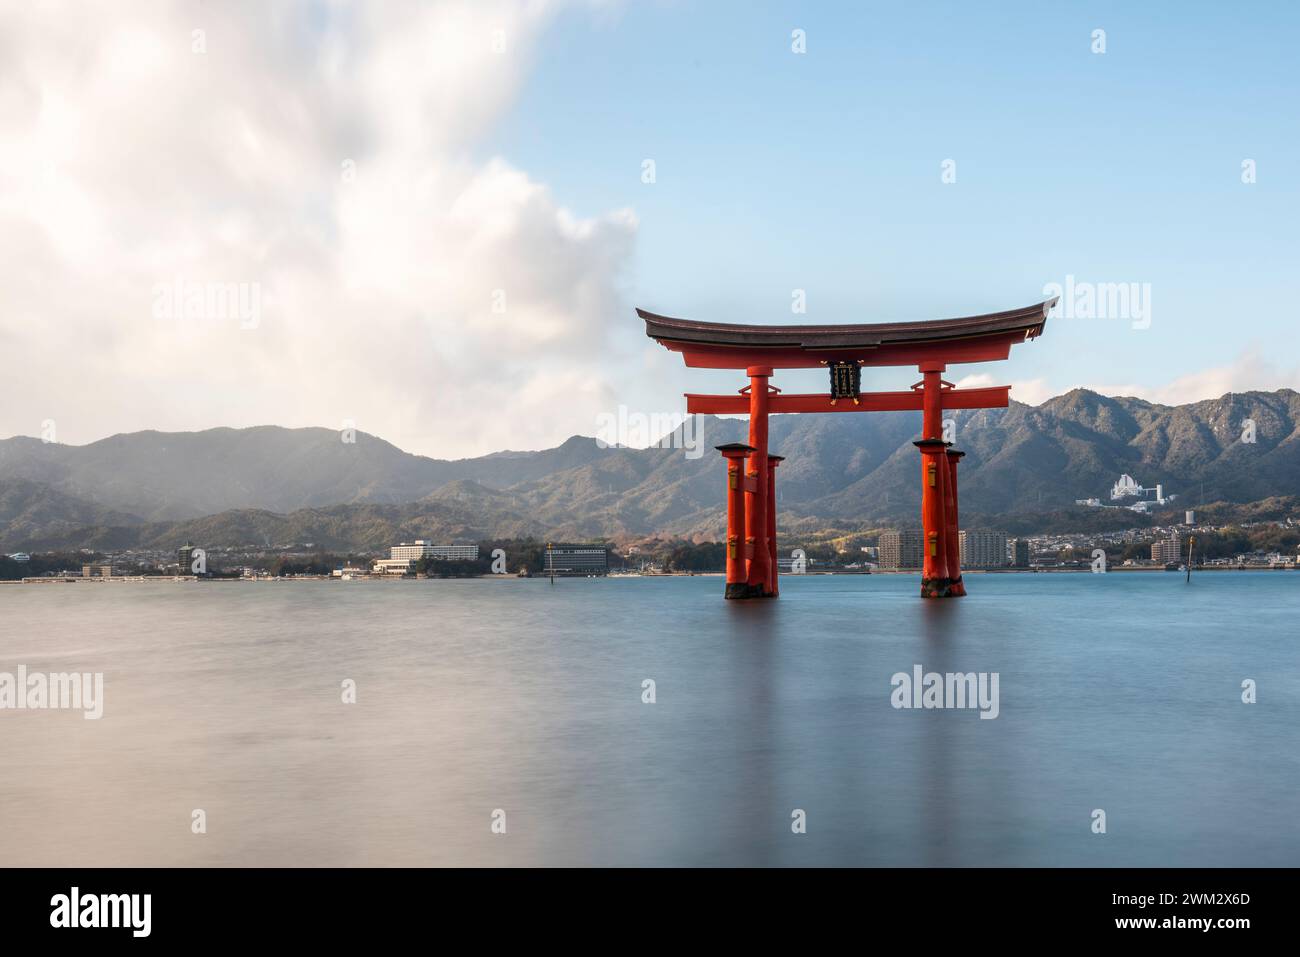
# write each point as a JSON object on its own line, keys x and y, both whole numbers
{"x": 931, "y": 346}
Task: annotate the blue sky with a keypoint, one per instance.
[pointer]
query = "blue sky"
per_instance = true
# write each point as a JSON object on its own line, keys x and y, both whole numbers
{"x": 821, "y": 171}
{"x": 439, "y": 238}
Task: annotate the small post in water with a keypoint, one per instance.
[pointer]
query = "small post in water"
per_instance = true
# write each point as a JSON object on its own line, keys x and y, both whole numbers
{"x": 1191, "y": 542}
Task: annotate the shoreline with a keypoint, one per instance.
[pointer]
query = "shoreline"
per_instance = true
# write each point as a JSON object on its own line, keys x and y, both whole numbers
{"x": 181, "y": 579}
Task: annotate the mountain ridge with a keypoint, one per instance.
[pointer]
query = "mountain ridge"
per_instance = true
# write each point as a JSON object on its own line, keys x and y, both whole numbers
{"x": 839, "y": 468}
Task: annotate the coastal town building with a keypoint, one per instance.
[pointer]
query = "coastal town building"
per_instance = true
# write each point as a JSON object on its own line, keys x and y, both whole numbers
{"x": 350, "y": 571}
{"x": 901, "y": 548}
{"x": 576, "y": 560}
{"x": 982, "y": 548}
{"x": 393, "y": 566}
{"x": 1168, "y": 550}
{"x": 421, "y": 549}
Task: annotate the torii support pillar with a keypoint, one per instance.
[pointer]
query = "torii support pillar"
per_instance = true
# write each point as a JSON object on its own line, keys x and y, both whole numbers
{"x": 954, "y": 539}
{"x": 934, "y": 562}
{"x": 936, "y": 581}
{"x": 774, "y": 569}
{"x": 757, "y": 487}
{"x": 737, "y": 556}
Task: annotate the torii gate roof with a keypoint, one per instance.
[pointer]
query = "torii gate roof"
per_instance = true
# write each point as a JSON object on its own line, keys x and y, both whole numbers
{"x": 725, "y": 345}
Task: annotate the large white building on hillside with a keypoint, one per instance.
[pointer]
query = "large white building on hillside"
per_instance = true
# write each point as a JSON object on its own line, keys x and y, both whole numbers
{"x": 1127, "y": 487}
{"x": 1127, "y": 493}
{"x": 421, "y": 549}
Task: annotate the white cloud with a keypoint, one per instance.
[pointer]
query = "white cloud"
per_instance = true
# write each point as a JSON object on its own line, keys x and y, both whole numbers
{"x": 323, "y": 152}
{"x": 1028, "y": 391}
{"x": 1250, "y": 371}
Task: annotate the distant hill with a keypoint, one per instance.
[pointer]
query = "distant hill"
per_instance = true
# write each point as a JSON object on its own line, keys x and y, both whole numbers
{"x": 30, "y": 510}
{"x": 174, "y": 475}
{"x": 336, "y": 528}
{"x": 273, "y": 485}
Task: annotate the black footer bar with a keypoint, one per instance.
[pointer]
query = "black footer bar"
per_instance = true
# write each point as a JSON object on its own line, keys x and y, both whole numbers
{"x": 303, "y": 906}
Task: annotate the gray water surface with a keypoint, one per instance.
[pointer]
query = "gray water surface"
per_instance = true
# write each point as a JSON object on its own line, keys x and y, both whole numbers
{"x": 1120, "y": 692}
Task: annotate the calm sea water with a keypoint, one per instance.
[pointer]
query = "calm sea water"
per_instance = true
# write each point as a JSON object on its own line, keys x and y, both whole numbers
{"x": 1120, "y": 692}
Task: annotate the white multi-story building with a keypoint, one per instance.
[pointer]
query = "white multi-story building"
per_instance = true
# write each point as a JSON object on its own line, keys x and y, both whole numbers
{"x": 413, "y": 551}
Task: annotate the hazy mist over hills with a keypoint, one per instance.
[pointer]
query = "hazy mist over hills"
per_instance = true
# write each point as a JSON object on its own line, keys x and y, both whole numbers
{"x": 272, "y": 486}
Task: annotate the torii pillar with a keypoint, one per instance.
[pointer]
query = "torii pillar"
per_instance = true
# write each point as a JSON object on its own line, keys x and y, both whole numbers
{"x": 737, "y": 554}
{"x": 774, "y": 569}
{"x": 935, "y": 579}
{"x": 954, "y": 537}
{"x": 934, "y": 548}
{"x": 758, "y": 489}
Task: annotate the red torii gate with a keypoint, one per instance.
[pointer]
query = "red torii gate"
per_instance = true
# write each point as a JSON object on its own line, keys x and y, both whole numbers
{"x": 931, "y": 346}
